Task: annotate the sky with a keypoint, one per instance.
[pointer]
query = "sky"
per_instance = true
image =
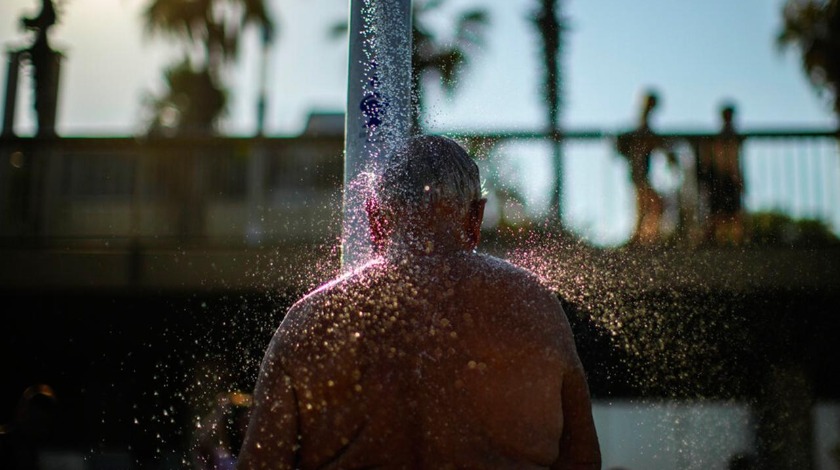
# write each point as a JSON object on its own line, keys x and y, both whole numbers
{"x": 695, "y": 53}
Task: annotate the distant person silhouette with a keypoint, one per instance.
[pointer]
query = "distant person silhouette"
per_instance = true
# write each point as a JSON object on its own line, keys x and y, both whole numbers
{"x": 431, "y": 355}
{"x": 637, "y": 146}
{"x": 721, "y": 177}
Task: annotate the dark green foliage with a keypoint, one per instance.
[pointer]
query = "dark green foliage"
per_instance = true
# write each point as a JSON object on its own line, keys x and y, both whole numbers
{"x": 195, "y": 98}
{"x": 191, "y": 105}
{"x": 780, "y": 230}
{"x": 813, "y": 27}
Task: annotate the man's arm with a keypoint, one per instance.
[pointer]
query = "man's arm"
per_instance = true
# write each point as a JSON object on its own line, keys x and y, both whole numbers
{"x": 271, "y": 441}
{"x": 579, "y": 447}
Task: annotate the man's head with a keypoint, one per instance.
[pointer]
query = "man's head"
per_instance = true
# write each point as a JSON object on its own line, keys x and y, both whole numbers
{"x": 428, "y": 197}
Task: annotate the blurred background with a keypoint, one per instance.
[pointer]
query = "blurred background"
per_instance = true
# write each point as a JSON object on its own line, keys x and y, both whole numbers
{"x": 170, "y": 182}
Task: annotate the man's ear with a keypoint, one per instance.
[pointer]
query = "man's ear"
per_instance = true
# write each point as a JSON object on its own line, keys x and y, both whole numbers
{"x": 474, "y": 220}
{"x": 377, "y": 223}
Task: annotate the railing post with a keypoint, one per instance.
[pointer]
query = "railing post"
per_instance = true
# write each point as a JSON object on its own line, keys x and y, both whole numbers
{"x": 10, "y": 98}
{"x": 46, "y": 188}
{"x": 255, "y": 187}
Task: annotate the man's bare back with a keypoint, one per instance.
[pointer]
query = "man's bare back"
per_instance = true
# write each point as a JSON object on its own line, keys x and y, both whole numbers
{"x": 431, "y": 356}
{"x": 460, "y": 361}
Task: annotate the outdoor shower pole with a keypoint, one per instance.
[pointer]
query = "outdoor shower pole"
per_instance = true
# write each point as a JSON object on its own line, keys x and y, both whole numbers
{"x": 378, "y": 115}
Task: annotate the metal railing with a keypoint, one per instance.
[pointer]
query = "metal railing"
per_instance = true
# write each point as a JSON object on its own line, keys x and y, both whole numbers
{"x": 239, "y": 191}
{"x": 158, "y": 192}
{"x": 793, "y": 173}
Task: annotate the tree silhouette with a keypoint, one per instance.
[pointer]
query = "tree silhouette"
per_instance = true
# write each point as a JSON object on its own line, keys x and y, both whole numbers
{"x": 433, "y": 56}
{"x": 813, "y": 26}
{"x": 547, "y": 21}
{"x": 209, "y": 32}
{"x": 191, "y": 105}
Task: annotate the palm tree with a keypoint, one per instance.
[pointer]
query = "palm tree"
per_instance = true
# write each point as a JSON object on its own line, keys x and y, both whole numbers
{"x": 191, "y": 104}
{"x": 547, "y": 21}
{"x": 209, "y": 31}
{"x": 435, "y": 57}
{"x": 813, "y": 26}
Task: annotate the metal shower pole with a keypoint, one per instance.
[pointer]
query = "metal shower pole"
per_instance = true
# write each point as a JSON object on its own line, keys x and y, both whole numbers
{"x": 378, "y": 115}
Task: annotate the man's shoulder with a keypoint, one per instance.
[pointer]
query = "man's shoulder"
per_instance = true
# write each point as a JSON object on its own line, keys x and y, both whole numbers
{"x": 515, "y": 301}
{"x": 344, "y": 287}
{"x": 476, "y": 268}
{"x": 508, "y": 280}
{"x": 506, "y": 270}
{"x": 309, "y": 314}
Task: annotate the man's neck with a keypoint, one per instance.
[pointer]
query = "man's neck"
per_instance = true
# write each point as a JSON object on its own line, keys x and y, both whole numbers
{"x": 403, "y": 247}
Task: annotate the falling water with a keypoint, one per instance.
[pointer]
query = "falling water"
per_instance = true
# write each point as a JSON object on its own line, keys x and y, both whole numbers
{"x": 378, "y": 107}
{"x": 670, "y": 334}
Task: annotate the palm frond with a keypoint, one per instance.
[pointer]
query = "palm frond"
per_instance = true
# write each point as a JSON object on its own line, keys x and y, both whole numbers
{"x": 214, "y": 26}
{"x": 813, "y": 27}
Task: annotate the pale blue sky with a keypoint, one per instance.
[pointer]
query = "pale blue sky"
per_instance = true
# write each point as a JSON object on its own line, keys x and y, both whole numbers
{"x": 696, "y": 53}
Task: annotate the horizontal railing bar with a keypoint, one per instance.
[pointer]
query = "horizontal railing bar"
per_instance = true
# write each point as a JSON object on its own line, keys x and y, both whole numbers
{"x": 573, "y": 134}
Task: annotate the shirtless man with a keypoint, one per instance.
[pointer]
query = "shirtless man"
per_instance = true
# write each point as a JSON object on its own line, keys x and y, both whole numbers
{"x": 638, "y": 146}
{"x": 720, "y": 173}
{"x": 431, "y": 355}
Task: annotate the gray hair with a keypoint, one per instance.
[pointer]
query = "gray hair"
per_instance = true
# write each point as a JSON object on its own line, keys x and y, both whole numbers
{"x": 424, "y": 173}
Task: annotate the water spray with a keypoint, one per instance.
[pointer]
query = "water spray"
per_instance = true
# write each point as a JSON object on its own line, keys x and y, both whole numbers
{"x": 378, "y": 115}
